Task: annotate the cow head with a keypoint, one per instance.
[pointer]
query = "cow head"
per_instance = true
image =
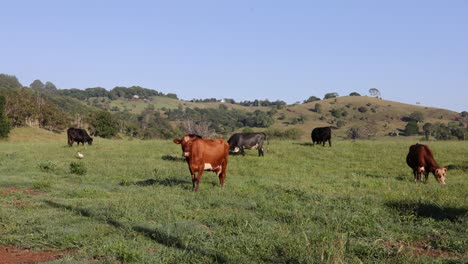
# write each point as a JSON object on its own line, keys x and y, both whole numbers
{"x": 90, "y": 140}
{"x": 186, "y": 143}
{"x": 440, "y": 174}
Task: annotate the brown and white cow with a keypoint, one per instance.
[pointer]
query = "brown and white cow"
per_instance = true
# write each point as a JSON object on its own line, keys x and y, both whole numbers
{"x": 204, "y": 154}
{"x": 421, "y": 160}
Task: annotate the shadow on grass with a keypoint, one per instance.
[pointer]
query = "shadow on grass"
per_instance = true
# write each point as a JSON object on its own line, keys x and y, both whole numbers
{"x": 403, "y": 178}
{"x": 305, "y": 144}
{"x": 429, "y": 210}
{"x": 156, "y": 235}
{"x": 173, "y": 158}
{"x": 457, "y": 167}
{"x": 164, "y": 182}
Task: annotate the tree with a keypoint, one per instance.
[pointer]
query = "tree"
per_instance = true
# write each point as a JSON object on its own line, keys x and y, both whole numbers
{"x": 50, "y": 86}
{"x": 318, "y": 108}
{"x": 354, "y": 94}
{"x": 411, "y": 128}
{"x": 427, "y": 128}
{"x": 330, "y": 95}
{"x": 9, "y": 81}
{"x": 37, "y": 85}
{"x": 374, "y": 92}
{"x": 417, "y": 116}
{"x": 311, "y": 99}
{"x": 104, "y": 125}
{"x": 5, "y": 125}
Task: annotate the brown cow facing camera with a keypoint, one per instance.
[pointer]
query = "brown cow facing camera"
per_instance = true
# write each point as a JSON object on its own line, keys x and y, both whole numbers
{"x": 421, "y": 160}
{"x": 204, "y": 154}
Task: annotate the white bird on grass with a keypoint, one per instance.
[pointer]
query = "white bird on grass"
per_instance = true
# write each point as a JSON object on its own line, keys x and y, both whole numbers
{"x": 80, "y": 156}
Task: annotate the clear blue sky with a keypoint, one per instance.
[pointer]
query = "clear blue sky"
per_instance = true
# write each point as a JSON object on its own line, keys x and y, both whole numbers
{"x": 412, "y": 51}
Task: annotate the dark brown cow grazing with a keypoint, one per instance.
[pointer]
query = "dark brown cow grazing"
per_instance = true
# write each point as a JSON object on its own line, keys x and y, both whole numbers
{"x": 204, "y": 154}
{"x": 78, "y": 135}
{"x": 421, "y": 160}
{"x": 321, "y": 135}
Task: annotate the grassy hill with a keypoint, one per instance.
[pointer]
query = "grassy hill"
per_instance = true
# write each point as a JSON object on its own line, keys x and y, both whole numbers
{"x": 383, "y": 115}
{"x": 136, "y": 106}
{"x": 35, "y": 135}
{"x": 378, "y": 117}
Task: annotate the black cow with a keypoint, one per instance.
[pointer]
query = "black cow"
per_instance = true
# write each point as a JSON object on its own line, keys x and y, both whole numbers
{"x": 321, "y": 135}
{"x": 78, "y": 135}
{"x": 240, "y": 141}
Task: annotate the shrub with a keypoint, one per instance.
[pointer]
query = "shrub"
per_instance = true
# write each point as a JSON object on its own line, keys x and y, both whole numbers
{"x": 78, "y": 168}
{"x": 340, "y": 123}
{"x": 362, "y": 109}
{"x": 411, "y": 128}
{"x": 47, "y": 166}
{"x": 318, "y": 108}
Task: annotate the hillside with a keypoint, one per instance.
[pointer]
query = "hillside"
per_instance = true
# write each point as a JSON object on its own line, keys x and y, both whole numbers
{"x": 382, "y": 116}
{"x": 136, "y": 106}
{"x": 148, "y": 114}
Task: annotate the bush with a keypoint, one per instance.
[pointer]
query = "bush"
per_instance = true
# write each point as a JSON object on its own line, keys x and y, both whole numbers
{"x": 318, "y": 108}
{"x": 78, "y": 168}
{"x": 362, "y": 109}
{"x": 338, "y": 113}
{"x": 411, "y": 128}
{"x": 47, "y": 166}
{"x": 340, "y": 123}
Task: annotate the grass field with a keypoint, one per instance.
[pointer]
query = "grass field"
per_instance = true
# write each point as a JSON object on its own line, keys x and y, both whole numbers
{"x": 355, "y": 202}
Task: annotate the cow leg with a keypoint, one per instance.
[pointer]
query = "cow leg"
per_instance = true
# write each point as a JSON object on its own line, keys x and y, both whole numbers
{"x": 426, "y": 176}
{"x": 222, "y": 174}
{"x": 242, "y": 151}
{"x": 329, "y": 142}
{"x": 196, "y": 181}
{"x": 415, "y": 173}
{"x": 260, "y": 150}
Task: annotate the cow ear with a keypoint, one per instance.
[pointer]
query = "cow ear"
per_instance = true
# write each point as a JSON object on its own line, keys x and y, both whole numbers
{"x": 176, "y": 141}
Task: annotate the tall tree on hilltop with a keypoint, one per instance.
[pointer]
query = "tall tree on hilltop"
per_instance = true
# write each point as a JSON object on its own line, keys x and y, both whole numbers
{"x": 37, "y": 85}
{"x": 374, "y": 92}
{"x": 311, "y": 99}
{"x": 50, "y": 86}
{"x": 330, "y": 95}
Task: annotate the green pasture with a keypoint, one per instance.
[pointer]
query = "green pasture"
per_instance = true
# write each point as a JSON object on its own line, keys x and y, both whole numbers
{"x": 131, "y": 201}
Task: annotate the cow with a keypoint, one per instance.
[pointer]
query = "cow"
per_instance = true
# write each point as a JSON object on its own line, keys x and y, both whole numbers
{"x": 421, "y": 160}
{"x": 240, "y": 141}
{"x": 321, "y": 135}
{"x": 204, "y": 154}
{"x": 78, "y": 135}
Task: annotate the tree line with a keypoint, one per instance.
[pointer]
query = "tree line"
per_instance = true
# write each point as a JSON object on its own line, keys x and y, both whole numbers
{"x": 45, "y": 106}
